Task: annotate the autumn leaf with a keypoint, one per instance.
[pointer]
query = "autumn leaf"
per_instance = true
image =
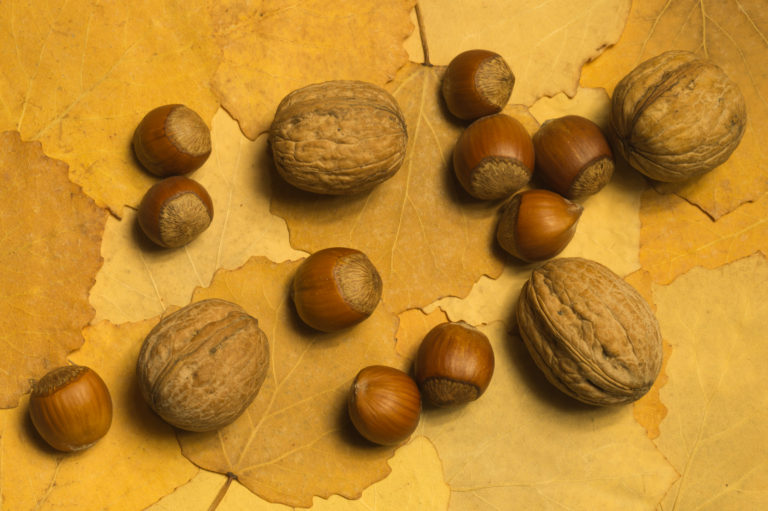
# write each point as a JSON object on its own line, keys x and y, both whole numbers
{"x": 50, "y": 253}
{"x": 139, "y": 280}
{"x": 295, "y": 441}
{"x": 424, "y": 234}
{"x": 732, "y": 35}
{"x": 270, "y": 49}
{"x": 544, "y": 43}
{"x": 523, "y": 441}
{"x": 134, "y": 465}
{"x": 79, "y": 76}
{"x": 716, "y": 433}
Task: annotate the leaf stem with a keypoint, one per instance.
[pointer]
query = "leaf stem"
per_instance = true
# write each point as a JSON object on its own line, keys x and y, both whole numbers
{"x": 223, "y": 491}
{"x": 422, "y": 35}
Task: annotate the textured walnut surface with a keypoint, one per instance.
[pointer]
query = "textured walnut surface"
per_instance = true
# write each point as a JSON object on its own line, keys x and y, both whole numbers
{"x": 201, "y": 366}
{"x": 338, "y": 137}
{"x": 676, "y": 116}
{"x": 591, "y": 333}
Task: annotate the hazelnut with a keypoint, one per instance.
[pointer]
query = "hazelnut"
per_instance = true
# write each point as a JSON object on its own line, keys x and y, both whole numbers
{"x": 339, "y": 137}
{"x": 201, "y": 366}
{"x": 175, "y": 211}
{"x": 454, "y": 364}
{"x": 336, "y": 288}
{"x": 71, "y": 408}
{"x": 172, "y": 140}
{"x": 573, "y": 157}
{"x": 537, "y": 224}
{"x": 477, "y": 83}
{"x": 493, "y": 157}
{"x": 384, "y": 404}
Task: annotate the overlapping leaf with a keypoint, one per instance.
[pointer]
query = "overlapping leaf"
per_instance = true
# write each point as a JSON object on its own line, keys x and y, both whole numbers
{"x": 50, "y": 254}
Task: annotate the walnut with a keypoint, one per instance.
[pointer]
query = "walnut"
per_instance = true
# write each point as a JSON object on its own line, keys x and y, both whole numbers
{"x": 592, "y": 334}
{"x": 676, "y": 116}
{"x": 201, "y": 366}
{"x": 338, "y": 137}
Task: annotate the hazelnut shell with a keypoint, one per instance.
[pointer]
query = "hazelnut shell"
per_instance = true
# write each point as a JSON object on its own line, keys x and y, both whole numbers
{"x": 477, "y": 83}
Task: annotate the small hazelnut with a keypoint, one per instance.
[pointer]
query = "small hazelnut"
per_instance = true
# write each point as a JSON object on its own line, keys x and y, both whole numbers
{"x": 175, "y": 211}
{"x": 172, "y": 140}
{"x": 384, "y": 404}
{"x": 71, "y": 408}
{"x": 494, "y": 157}
{"x": 537, "y": 224}
{"x": 477, "y": 83}
{"x": 573, "y": 156}
{"x": 454, "y": 364}
{"x": 336, "y": 288}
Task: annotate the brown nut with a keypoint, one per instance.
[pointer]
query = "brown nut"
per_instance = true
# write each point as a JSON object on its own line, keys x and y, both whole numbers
{"x": 592, "y": 334}
{"x": 537, "y": 224}
{"x": 676, "y": 116}
{"x": 201, "y": 366}
{"x": 477, "y": 83}
{"x": 573, "y": 157}
{"x": 71, "y": 408}
{"x": 338, "y": 137}
{"x": 493, "y": 157}
{"x": 172, "y": 140}
{"x": 175, "y": 211}
{"x": 384, "y": 404}
{"x": 336, "y": 288}
{"x": 454, "y": 364}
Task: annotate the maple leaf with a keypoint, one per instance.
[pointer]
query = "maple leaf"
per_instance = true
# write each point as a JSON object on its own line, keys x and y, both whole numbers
{"x": 139, "y": 280}
{"x": 270, "y": 49}
{"x": 295, "y": 440}
{"x": 731, "y": 34}
{"x": 50, "y": 254}
{"x": 716, "y": 432}
{"x": 425, "y": 235}
{"x": 79, "y": 76}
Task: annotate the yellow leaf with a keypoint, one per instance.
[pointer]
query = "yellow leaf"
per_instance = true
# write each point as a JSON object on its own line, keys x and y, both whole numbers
{"x": 544, "y": 43}
{"x": 730, "y": 33}
{"x": 272, "y": 48}
{"x": 716, "y": 433}
{"x": 50, "y": 253}
{"x": 139, "y": 280}
{"x": 79, "y": 76}
{"x": 136, "y": 463}
{"x": 295, "y": 440}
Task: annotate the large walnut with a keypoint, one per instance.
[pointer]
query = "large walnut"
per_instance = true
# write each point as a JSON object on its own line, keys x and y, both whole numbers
{"x": 591, "y": 333}
{"x": 338, "y": 137}
{"x": 201, "y": 366}
{"x": 676, "y": 116}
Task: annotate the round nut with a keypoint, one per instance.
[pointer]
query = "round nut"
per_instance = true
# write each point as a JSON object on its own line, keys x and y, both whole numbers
{"x": 592, "y": 334}
{"x": 201, "y": 366}
{"x": 676, "y": 116}
{"x": 338, "y": 137}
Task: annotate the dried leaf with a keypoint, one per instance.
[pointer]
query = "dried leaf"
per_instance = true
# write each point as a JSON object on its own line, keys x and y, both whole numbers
{"x": 677, "y": 236}
{"x": 295, "y": 440}
{"x": 79, "y": 77}
{"x": 51, "y": 235}
{"x": 544, "y": 43}
{"x": 525, "y": 442}
{"x": 730, "y": 33}
{"x": 139, "y": 280}
{"x": 271, "y": 48}
{"x": 415, "y": 484}
{"x": 135, "y": 464}
{"x": 424, "y": 234}
{"x": 716, "y": 433}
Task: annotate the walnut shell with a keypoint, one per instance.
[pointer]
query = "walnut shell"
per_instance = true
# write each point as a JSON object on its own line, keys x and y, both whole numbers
{"x": 201, "y": 366}
{"x": 338, "y": 137}
{"x": 592, "y": 334}
{"x": 676, "y": 116}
